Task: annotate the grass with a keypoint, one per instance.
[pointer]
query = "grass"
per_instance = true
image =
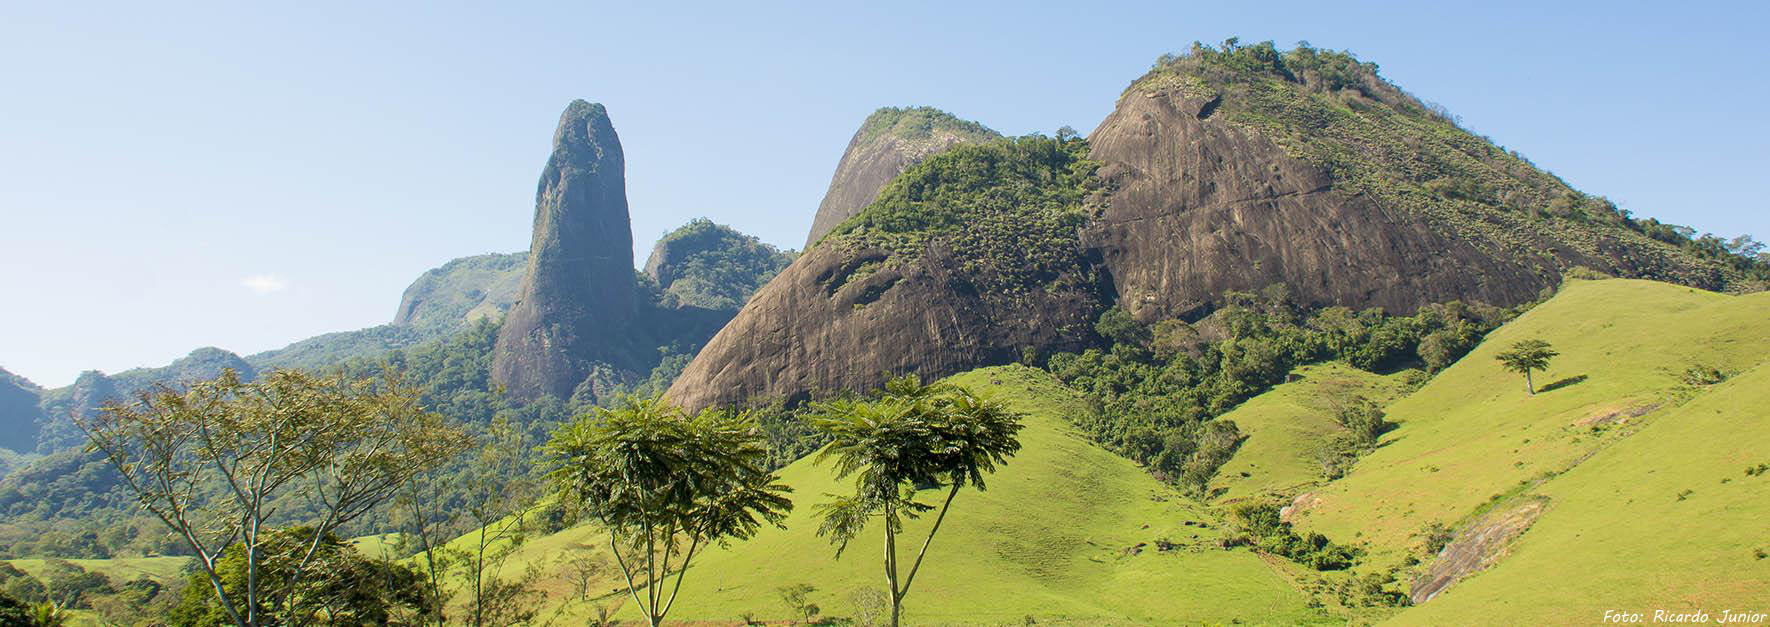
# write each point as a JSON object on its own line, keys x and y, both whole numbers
{"x": 1473, "y": 433}
{"x": 1067, "y": 533}
{"x": 376, "y": 546}
{"x": 119, "y": 570}
{"x": 1618, "y": 535}
{"x": 1284, "y": 427}
{"x": 1056, "y": 537}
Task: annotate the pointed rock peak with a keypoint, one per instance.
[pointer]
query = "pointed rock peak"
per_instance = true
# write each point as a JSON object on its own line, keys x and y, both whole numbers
{"x": 890, "y": 141}
{"x": 584, "y": 126}
{"x": 578, "y": 293}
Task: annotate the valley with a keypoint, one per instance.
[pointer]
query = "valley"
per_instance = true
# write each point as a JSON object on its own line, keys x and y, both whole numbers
{"x": 1278, "y": 342}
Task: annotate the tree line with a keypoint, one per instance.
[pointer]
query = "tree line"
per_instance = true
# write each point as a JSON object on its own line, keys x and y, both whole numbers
{"x": 212, "y": 461}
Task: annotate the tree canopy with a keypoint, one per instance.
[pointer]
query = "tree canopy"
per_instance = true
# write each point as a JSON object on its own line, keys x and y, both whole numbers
{"x": 665, "y": 483}
{"x": 913, "y": 436}
{"x": 1525, "y": 356}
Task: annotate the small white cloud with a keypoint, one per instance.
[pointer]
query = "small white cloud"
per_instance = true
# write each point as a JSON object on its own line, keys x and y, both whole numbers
{"x": 264, "y": 283}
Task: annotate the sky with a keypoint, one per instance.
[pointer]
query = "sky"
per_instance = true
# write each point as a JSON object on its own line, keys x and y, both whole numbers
{"x": 244, "y": 175}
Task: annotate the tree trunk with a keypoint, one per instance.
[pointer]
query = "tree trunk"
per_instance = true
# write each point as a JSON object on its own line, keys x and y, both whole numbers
{"x": 891, "y": 569}
{"x": 1528, "y": 385}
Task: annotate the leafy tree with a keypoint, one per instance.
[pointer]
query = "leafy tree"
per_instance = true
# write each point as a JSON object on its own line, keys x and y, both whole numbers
{"x": 665, "y": 482}
{"x": 1117, "y": 325}
{"x": 1525, "y": 356}
{"x": 869, "y": 603}
{"x": 914, "y": 435}
{"x": 211, "y": 460}
{"x": 335, "y": 585}
{"x": 797, "y": 597}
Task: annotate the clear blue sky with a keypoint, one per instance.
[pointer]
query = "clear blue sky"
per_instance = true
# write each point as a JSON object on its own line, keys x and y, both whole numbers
{"x": 248, "y": 174}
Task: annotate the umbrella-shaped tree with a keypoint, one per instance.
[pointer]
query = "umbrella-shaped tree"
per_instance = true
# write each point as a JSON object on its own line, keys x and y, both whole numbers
{"x": 1525, "y": 356}
{"x": 913, "y": 435}
{"x": 666, "y": 483}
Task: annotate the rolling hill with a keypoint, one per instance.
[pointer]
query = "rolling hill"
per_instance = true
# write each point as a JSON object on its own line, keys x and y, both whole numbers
{"x": 1066, "y": 533}
{"x": 1616, "y": 468}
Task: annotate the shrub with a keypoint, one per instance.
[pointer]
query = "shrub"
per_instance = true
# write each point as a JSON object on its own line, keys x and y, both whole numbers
{"x": 1438, "y": 535}
{"x": 1699, "y": 375}
{"x": 1260, "y": 526}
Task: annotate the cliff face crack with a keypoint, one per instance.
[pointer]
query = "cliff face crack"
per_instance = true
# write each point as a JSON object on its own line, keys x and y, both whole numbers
{"x": 1230, "y": 204}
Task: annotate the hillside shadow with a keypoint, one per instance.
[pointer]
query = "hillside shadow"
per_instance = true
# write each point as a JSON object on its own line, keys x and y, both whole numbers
{"x": 1575, "y": 380}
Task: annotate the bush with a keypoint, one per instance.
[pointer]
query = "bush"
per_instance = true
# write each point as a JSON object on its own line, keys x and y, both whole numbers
{"x": 1437, "y": 535}
{"x": 1260, "y": 526}
{"x": 72, "y": 586}
{"x": 1703, "y": 375}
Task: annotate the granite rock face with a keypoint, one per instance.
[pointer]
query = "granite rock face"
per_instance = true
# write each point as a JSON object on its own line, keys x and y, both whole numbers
{"x": 1218, "y": 178}
{"x": 578, "y": 293}
{"x": 1217, "y": 188}
{"x": 826, "y": 325}
{"x": 1201, "y": 207}
{"x": 890, "y": 141}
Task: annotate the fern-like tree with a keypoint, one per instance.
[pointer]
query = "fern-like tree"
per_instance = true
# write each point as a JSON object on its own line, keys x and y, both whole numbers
{"x": 1525, "y": 356}
{"x": 666, "y": 483}
{"x": 913, "y": 436}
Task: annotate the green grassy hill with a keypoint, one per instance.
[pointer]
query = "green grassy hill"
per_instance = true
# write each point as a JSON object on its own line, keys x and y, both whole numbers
{"x": 1666, "y": 519}
{"x": 1285, "y": 426}
{"x": 1624, "y": 485}
{"x": 119, "y": 570}
{"x": 1473, "y": 446}
{"x": 1066, "y": 533}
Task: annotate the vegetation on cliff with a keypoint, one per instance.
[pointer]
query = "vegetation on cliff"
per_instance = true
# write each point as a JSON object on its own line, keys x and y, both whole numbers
{"x": 1009, "y": 212}
{"x": 1338, "y": 113}
{"x": 889, "y": 141}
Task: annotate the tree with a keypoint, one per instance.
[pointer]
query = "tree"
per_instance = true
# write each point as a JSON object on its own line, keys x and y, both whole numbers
{"x": 343, "y": 587}
{"x": 798, "y": 598}
{"x": 214, "y": 460}
{"x": 502, "y": 496}
{"x": 665, "y": 482}
{"x": 914, "y": 435}
{"x": 1525, "y": 356}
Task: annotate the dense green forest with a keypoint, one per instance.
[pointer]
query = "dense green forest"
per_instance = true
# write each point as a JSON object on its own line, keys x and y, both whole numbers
{"x": 1156, "y": 390}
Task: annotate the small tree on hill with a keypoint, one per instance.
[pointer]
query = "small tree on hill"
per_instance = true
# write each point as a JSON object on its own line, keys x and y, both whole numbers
{"x": 666, "y": 483}
{"x": 1525, "y": 356}
{"x": 913, "y": 436}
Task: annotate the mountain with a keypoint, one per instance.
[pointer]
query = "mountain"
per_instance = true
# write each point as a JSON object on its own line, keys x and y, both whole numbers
{"x": 93, "y": 389}
{"x": 1219, "y": 171}
{"x": 1240, "y": 168}
{"x": 19, "y": 412}
{"x": 461, "y": 291}
{"x": 969, "y": 258}
{"x": 577, "y": 296}
{"x": 712, "y": 266}
{"x": 889, "y": 141}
